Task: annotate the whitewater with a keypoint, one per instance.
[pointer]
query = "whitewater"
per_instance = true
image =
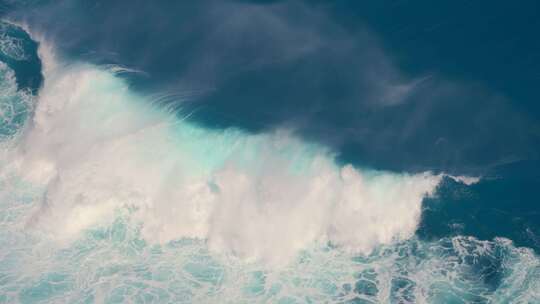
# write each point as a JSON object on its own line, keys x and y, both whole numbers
{"x": 108, "y": 196}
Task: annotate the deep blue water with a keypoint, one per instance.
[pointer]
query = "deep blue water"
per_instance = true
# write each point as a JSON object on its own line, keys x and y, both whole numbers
{"x": 401, "y": 86}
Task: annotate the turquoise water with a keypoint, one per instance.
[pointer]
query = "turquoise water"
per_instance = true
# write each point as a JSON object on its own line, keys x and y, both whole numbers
{"x": 113, "y": 264}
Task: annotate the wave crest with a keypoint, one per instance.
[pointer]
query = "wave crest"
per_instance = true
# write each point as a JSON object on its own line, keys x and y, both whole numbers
{"x": 96, "y": 147}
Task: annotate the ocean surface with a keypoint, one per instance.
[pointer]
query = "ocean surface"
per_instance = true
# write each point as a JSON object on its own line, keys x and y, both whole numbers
{"x": 269, "y": 151}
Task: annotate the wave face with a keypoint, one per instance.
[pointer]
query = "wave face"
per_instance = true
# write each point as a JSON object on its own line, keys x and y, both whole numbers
{"x": 107, "y": 196}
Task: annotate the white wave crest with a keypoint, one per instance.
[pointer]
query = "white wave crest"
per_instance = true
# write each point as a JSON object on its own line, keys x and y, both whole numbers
{"x": 97, "y": 147}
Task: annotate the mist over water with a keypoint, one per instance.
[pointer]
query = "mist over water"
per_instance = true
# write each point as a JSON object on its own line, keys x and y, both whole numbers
{"x": 127, "y": 180}
{"x": 317, "y": 69}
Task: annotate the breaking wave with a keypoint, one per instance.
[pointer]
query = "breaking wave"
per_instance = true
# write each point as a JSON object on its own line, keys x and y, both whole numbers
{"x": 107, "y": 196}
{"x": 96, "y": 147}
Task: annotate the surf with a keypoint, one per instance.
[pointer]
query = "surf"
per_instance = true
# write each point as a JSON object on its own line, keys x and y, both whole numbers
{"x": 96, "y": 147}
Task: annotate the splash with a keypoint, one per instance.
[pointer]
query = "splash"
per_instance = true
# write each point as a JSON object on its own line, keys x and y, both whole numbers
{"x": 96, "y": 147}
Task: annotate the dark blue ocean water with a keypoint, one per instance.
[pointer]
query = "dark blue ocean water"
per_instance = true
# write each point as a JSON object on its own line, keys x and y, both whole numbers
{"x": 403, "y": 86}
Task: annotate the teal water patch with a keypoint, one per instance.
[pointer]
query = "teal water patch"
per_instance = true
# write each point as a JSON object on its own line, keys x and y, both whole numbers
{"x": 15, "y": 105}
{"x": 19, "y": 52}
{"x": 505, "y": 206}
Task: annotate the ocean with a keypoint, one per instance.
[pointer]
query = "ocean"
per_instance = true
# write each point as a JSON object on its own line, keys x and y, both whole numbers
{"x": 269, "y": 152}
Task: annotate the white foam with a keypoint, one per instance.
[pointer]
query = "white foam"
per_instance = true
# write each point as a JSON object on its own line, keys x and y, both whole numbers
{"x": 467, "y": 180}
